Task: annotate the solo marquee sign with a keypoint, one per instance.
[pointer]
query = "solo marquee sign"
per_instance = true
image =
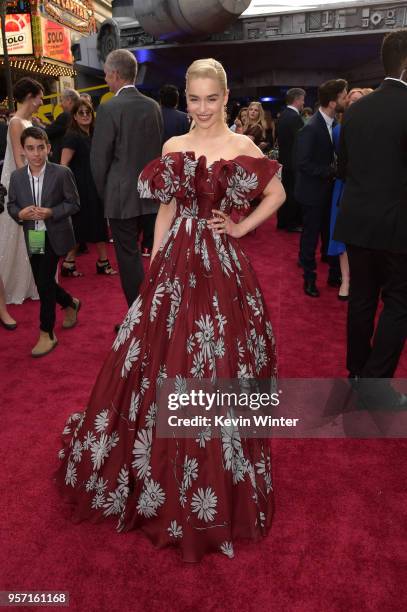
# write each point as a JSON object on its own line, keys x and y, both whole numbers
{"x": 77, "y": 15}
{"x": 18, "y": 35}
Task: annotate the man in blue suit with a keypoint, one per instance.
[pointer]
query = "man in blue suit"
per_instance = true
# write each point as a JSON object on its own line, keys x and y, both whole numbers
{"x": 315, "y": 174}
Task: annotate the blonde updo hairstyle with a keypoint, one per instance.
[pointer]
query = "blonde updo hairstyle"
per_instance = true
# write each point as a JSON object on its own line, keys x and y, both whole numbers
{"x": 208, "y": 68}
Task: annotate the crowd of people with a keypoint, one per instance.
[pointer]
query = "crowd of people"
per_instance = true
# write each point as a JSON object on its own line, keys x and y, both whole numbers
{"x": 202, "y": 300}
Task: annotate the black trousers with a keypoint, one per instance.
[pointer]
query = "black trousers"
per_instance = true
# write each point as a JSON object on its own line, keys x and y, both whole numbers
{"x": 315, "y": 223}
{"x": 289, "y": 214}
{"x": 44, "y": 268}
{"x": 375, "y": 354}
{"x": 124, "y": 233}
{"x": 147, "y": 225}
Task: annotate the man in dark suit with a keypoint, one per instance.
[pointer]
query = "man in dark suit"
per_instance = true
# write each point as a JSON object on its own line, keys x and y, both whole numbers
{"x": 175, "y": 121}
{"x": 42, "y": 197}
{"x": 128, "y": 134}
{"x": 56, "y": 130}
{"x": 315, "y": 173}
{"x": 372, "y": 219}
{"x": 289, "y": 124}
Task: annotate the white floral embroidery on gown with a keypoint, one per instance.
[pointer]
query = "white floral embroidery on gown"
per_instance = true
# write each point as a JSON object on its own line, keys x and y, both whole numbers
{"x": 15, "y": 269}
{"x": 200, "y": 314}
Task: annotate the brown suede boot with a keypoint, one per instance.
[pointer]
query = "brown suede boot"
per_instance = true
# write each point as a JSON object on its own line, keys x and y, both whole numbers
{"x": 44, "y": 345}
{"x": 71, "y": 314}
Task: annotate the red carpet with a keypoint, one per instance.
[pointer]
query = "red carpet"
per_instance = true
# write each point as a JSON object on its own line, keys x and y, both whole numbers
{"x": 339, "y": 537}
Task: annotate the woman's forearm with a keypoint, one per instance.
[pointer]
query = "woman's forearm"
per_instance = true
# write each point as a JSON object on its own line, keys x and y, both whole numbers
{"x": 267, "y": 207}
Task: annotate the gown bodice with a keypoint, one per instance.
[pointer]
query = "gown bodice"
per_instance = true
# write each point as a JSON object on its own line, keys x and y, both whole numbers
{"x": 198, "y": 187}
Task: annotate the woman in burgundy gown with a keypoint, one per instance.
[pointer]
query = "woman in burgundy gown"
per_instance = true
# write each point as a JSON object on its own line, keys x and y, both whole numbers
{"x": 200, "y": 315}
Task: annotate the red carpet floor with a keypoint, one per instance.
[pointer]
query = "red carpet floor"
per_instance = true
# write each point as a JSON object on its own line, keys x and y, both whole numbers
{"x": 338, "y": 542}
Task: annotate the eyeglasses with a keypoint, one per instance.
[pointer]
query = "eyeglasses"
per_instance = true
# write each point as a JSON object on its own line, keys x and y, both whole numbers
{"x": 84, "y": 113}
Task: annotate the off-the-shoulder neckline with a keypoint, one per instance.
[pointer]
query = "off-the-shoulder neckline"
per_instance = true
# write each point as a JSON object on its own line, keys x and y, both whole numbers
{"x": 216, "y": 161}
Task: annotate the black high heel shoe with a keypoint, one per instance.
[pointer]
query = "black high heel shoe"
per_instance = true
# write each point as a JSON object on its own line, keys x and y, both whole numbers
{"x": 68, "y": 268}
{"x": 103, "y": 267}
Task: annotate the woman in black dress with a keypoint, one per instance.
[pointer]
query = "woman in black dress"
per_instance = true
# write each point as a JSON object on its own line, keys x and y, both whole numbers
{"x": 89, "y": 224}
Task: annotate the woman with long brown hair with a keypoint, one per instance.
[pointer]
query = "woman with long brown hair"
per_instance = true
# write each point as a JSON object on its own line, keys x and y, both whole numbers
{"x": 89, "y": 224}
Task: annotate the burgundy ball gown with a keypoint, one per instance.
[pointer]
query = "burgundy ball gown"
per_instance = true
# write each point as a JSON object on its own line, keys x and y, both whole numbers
{"x": 200, "y": 314}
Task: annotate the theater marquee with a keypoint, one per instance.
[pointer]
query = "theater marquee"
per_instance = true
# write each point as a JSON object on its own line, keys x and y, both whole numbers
{"x": 77, "y": 15}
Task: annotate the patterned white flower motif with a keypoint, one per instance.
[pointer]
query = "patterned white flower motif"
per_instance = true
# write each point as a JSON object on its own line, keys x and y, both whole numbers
{"x": 206, "y": 335}
{"x": 175, "y": 530}
{"x": 256, "y": 308}
{"x": 116, "y": 501}
{"x": 144, "y": 190}
{"x": 134, "y": 405}
{"x": 100, "y": 448}
{"x": 151, "y": 415}
{"x": 260, "y": 352}
{"x": 162, "y": 375}
{"x": 239, "y": 186}
{"x": 220, "y": 348}
{"x": 91, "y": 483}
{"x": 182, "y": 496}
{"x": 264, "y": 469}
{"x": 204, "y": 504}
{"x": 133, "y": 318}
{"x": 89, "y": 440}
{"x": 71, "y": 475}
{"x": 98, "y": 501}
{"x": 61, "y": 454}
{"x": 180, "y": 384}
{"x": 156, "y": 301}
{"x": 151, "y": 498}
{"x": 198, "y": 367}
{"x": 100, "y": 485}
{"x": 225, "y": 263}
{"x": 205, "y": 255}
{"x": 240, "y": 349}
{"x": 269, "y": 330}
{"x": 227, "y": 549}
{"x": 192, "y": 280}
{"x": 77, "y": 451}
{"x": 142, "y": 453}
{"x": 131, "y": 357}
{"x": 234, "y": 257}
{"x": 190, "y": 344}
{"x": 77, "y": 416}
{"x": 190, "y": 472}
{"x": 220, "y": 319}
{"x": 102, "y": 421}
{"x": 233, "y": 451}
{"x": 176, "y": 296}
{"x": 262, "y": 518}
{"x": 204, "y": 436}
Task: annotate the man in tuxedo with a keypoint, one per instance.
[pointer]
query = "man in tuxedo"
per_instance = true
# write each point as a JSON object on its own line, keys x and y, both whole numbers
{"x": 128, "y": 135}
{"x": 42, "y": 197}
{"x": 315, "y": 174}
{"x": 289, "y": 124}
{"x": 372, "y": 219}
{"x": 56, "y": 131}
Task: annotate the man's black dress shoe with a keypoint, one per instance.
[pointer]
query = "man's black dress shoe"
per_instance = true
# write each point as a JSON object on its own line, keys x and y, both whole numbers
{"x": 334, "y": 281}
{"x": 297, "y": 229}
{"x": 310, "y": 289}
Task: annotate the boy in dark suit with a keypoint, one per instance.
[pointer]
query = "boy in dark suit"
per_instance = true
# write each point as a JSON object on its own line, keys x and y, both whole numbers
{"x": 42, "y": 198}
{"x": 316, "y": 169}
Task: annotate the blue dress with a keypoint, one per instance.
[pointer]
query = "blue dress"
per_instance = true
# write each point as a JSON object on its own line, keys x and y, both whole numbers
{"x": 335, "y": 247}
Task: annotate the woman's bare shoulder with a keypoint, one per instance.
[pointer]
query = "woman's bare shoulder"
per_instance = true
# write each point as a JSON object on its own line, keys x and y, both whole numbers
{"x": 245, "y": 146}
{"x": 176, "y": 143}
